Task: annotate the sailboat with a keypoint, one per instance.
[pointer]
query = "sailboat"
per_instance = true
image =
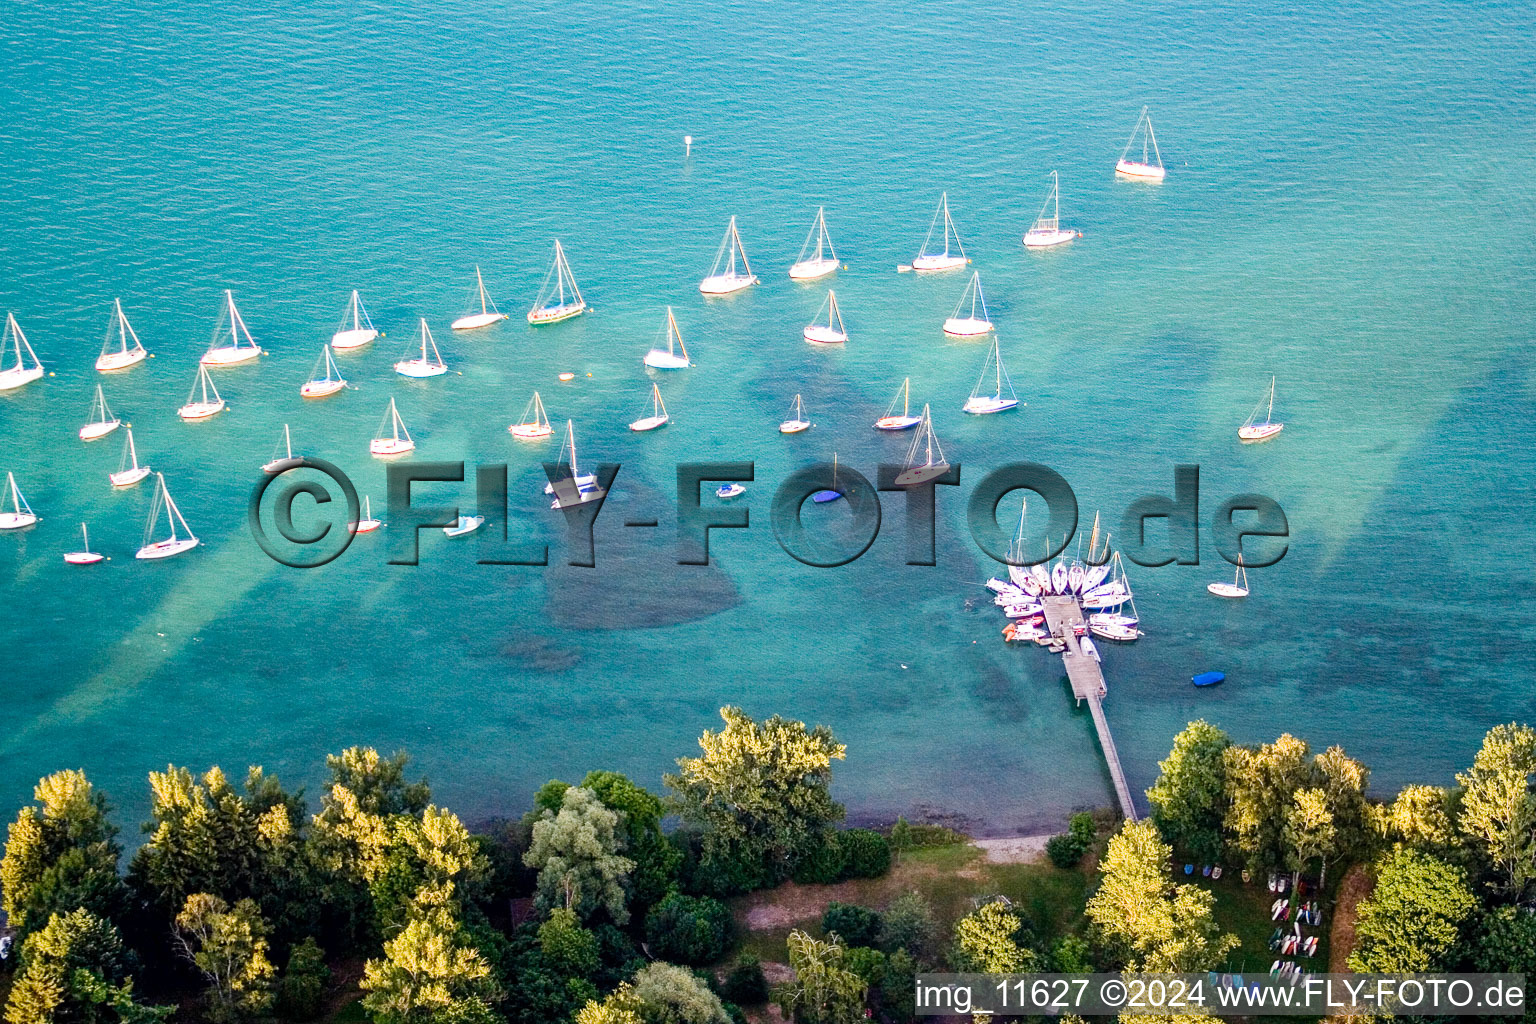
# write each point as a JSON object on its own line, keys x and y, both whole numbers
{"x": 1150, "y": 166}
{"x": 810, "y": 265}
{"x": 392, "y": 438}
{"x": 832, "y": 332}
{"x": 488, "y": 314}
{"x": 903, "y": 420}
{"x": 355, "y": 329}
{"x": 423, "y": 365}
{"x": 1047, "y": 230}
{"x": 969, "y": 325}
{"x": 724, "y": 277}
{"x": 658, "y": 416}
{"x": 797, "y": 421}
{"x": 238, "y": 347}
{"x": 831, "y": 493}
{"x": 675, "y": 355}
{"x": 1251, "y": 432}
{"x": 1003, "y": 396}
{"x": 367, "y": 524}
{"x": 925, "y": 447}
{"x": 282, "y": 455}
{"x": 559, "y": 298}
{"x": 129, "y": 472}
{"x": 574, "y": 487}
{"x": 121, "y": 355}
{"x": 85, "y": 556}
{"x": 102, "y": 422}
{"x": 325, "y": 379}
{"x": 204, "y": 400}
{"x": 13, "y": 377}
{"x": 1237, "y": 588}
{"x": 175, "y": 544}
{"x": 21, "y": 514}
{"x": 535, "y": 422}
{"x": 931, "y": 262}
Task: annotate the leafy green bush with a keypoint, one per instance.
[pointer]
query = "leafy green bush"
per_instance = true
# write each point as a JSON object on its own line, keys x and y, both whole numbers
{"x": 907, "y": 836}
{"x": 908, "y": 923}
{"x": 1065, "y": 850}
{"x": 301, "y": 992}
{"x": 868, "y": 964}
{"x": 825, "y": 862}
{"x": 693, "y": 930}
{"x": 745, "y": 984}
{"x": 866, "y": 853}
{"x": 855, "y": 925}
{"x": 1083, "y": 828}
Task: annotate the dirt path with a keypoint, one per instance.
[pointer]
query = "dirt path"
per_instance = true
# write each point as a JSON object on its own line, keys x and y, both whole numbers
{"x": 1357, "y": 885}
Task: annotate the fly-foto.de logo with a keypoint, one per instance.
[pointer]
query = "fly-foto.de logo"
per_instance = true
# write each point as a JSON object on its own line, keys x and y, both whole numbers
{"x": 305, "y": 513}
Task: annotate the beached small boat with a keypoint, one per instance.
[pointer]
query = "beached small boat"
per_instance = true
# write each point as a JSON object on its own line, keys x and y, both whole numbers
{"x": 1237, "y": 588}
{"x": 1003, "y": 397}
{"x": 129, "y": 472}
{"x": 925, "y": 459}
{"x": 101, "y": 422}
{"x": 180, "y": 540}
{"x": 675, "y": 355}
{"x": 325, "y": 379}
{"x": 392, "y": 438}
{"x": 1047, "y": 230}
{"x": 367, "y": 524}
{"x": 427, "y": 363}
{"x": 122, "y": 347}
{"x": 572, "y": 487}
{"x": 464, "y": 524}
{"x": 26, "y": 368}
{"x": 928, "y": 262}
{"x": 731, "y": 272}
{"x": 727, "y": 491}
{"x": 534, "y": 424}
{"x": 282, "y": 457}
{"x": 559, "y": 298}
{"x": 904, "y": 420}
{"x": 21, "y": 515}
{"x": 85, "y": 556}
{"x": 203, "y": 401}
{"x": 832, "y": 332}
{"x": 235, "y": 346}
{"x": 355, "y": 329}
{"x": 1150, "y": 166}
{"x": 1208, "y": 678}
{"x": 970, "y": 319}
{"x": 658, "y": 416}
{"x": 488, "y": 314}
{"x": 1252, "y": 432}
{"x": 797, "y": 421}
{"x": 820, "y": 260}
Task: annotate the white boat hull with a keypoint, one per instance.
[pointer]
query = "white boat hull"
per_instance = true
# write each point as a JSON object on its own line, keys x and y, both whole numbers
{"x": 1046, "y": 239}
{"x": 649, "y": 423}
{"x": 229, "y": 355}
{"x": 120, "y": 360}
{"x": 465, "y": 524}
{"x": 166, "y": 548}
{"x": 343, "y": 340}
{"x": 659, "y": 360}
{"x": 390, "y": 446}
{"x": 321, "y": 388}
{"x": 200, "y": 410}
{"x": 730, "y": 491}
{"x": 1262, "y": 432}
{"x": 810, "y": 270}
{"x": 984, "y": 406}
{"x": 278, "y": 465}
{"x": 824, "y": 335}
{"x": 967, "y": 327}
{"x": 530, "y": 431}
{"x": 128, "y": 477}
{"x": 937, "y": 264}
{"x": 364, "y": 526}
{"x": 794, "y": 426}
{"x": 12, "y": 379}
{"x": 418, "y": 368}
{"x": 1133, "y": 169}
{"x": 16, "y": 520}
{"x": 83, "y": 557}
{"x": 897, "y": 422}
{"x": 726, "y": 284}
{"x": 555, "y": 314}
{"x": 921, "y": 474}
{"x": 96, "y": 431}
{"x": 469, "y": 323}
{"x": 1227, "y": 590}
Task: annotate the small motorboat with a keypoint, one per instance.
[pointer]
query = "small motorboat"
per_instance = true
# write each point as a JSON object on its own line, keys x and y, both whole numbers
{"x": 463, "y": 525}
{"x": 566, "y": 377}
{"x": 1211, "y": 679}
{"x": 725, "y": 491}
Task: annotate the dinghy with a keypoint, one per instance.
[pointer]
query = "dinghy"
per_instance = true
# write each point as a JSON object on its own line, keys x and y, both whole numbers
{"x": 325, "y": 379}
{"x": 129, "y": 472}
{"x": 21, "y": 515}
{"x": 85, "y": 556}
{"x": 797, "y": 421}
{"x": 1047, "y": 230}
{"x": 832, "y": 493}
{"x": 367, "y": 524}
{"x": 102, "y": 422}
{"x": 892, "y": 420}
{"x": 925, "y": 459}
{"x": 237, "y": 346}
{"x": 27, "y": 368}
{"x": 727, "y": 491}
{"x": 120, "y": 355}
{"x": 488, "y": 314}
{"x": 392, "y": 438}
{"x": 203, "y": 401}
{"x": 282, "y": 457}
{"x": 428, "y": 363}
{"x": 658, "y": 416}
{"x": 463, "y": 525}
{"x": 559, "y": 298}
{"x": 1237, "y": 588}
{"x": 818, "y": 262}
{"x": 534, "y": 425}
{"x": 725, "y": 277}
{"x": 1208, "y": 678}
{"x": 1251, "y": 432}
{"x": 832, "y": 332}
{"x": 1150, "y": 166}
{"x": 180, "y": 540}
{"x": 675, "y": 355}
{"x": 355, "y": 329}
{"x": 926, "y": 262}
{"x": 964, "y": 321}
{"x": 573, "y": 486}
{"x": 1003, "y": 396}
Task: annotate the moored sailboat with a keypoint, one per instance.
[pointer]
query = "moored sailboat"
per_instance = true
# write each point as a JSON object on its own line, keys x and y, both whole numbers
{"x": 573, "y": 487}
{"x": 820, "y": 261}
{"x": 926, "y": 262}
{"x": 925, "y": 458}
{"x": 725, "y": 277}
{"x": 797, "y": 421}
{"x": 1003, "y": 397}
{"x": 1251, "y": 432}
{"x": 1047, "y": 230}
{"x": 488, "y": 314}
{"x": 180, "y": 540}
{"x": 964, "y": 321}
{"x": 85, "y": 556}
{"x": 904, "y": 420}
{"x": 559, "y": 298}
{"x": 392, "y": 438}
{"x": 832, "y": 332}
{"x": 675, "y": 355}
{"x": 101, "y": 422}
{"x": 1150, "y": 166}
{"x": 534, "y": 424}
{"x": 425, "y": 364}
{"x": 658, "y": 416}
{"x": 325, "y": 379}
{"x": 27, "y": 367}
{"x": 129, "y": 472}
{"x": 1237, "y": 588}
{"x": 355, "y": 329}
{"x": 282, "y": 456}
{"x": 237, "y": 346}
{"x": 21, "y": 515}
{"x": 122, "y": 354}
{"x": 367, "y": 524}
{"x": 204, "y": 400}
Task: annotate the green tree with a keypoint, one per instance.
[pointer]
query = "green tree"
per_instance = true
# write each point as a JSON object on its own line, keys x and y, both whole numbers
{"x": 824, "y": 990}
{"x": 667, "y": 994}
{"x": 74, "y": 970}
{"x": 759, "y": 796}
{"x": 908, "y": 923}
{"x": 656, "y": 859}
{"x": 855, "y": 925}
{"x": 987, "y": 941}
{"x": 619, "y": 1008}
{"x": 576, "y": 853}
{"x": 301, "y": 992}
{"x": 1422, "y": 817}
{"x": 1498, "y": 810}
{"x": 365, "y": 791}
{"x": 1310, "y": 831}
{"x": 1504, "y": 941}
{"x": 1261, "y": 785}
{"x": 1344, "y": 782}
{"x": 229, "y": 946}
{"x": 61, "y": 855}
{"x": 426, "y": 972}
{"x": 1413, "y": 917}
{"x": 567, "y": 946}
{"x": 1189, "y": 799}
{"x": 693, "y": 930}
{"x": 898, "y": 989}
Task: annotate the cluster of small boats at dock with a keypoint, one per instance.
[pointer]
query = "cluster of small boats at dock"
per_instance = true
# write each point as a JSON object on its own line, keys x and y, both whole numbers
{"x": 1098, "y": 585}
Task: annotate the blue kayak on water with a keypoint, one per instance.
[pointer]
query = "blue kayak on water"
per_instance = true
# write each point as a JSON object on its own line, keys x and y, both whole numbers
{"x": 1208, "y": 678}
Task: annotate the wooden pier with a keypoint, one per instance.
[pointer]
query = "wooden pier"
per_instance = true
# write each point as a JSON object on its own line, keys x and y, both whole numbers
{"x": 1063, "y": 618}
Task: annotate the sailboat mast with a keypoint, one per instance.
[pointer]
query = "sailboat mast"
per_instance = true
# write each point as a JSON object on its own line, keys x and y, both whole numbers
{"x": 480, "y": 283}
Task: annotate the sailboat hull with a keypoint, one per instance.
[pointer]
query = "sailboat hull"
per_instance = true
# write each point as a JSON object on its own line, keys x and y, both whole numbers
{"x": 649, "y": 423}
{"x": 113, "y": 361}
{"x": 1046, "y": 239}
{"x": 967, "y": 327}
{"x": 555, "y": 314}
{"x": 469, "y": 323}
{"x": 464, "y": 524}
{"x": 984, "y": 406}
{"x": 364, "y": 526}
{"x": 96, "y": 431}
{"x": 128, "y": 477}
{"x": 794, "y": 426}
{"x": 343, "y": 340}
{"x": 921, "y": 474}
{"x": 16, "y": 520}
{"x": 17, "y": 377}
{"x": 938, "y": 264}
{"x": 229, "y": 355}
{"x": 1227, "y": 590}
{"x": 897, "y": 422}
{"x": 166, "y": 548}
{"x": 83, "y": 557}
{"x": 656, "y": 359}
{"x": 530, "y": 431}
{"x": 1260, "y": 432}
{"x": 321, "y": 388}
{"x": 418, "y": 368}
{"x": 387, "y": 446}
{"x": 726, "y": 284}
{"x": 200, "y": 410}
{"x": 818, "y": 335}
{"x": 1135, "y": 169}
{"x": 810, "y": 270}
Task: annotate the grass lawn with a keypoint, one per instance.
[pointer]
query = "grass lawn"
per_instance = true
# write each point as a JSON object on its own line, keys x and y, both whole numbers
{"x": 1244, "y": 911}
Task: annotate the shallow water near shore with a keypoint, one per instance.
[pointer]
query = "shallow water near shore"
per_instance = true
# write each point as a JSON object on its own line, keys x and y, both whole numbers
{"x": 1348, "y": 208}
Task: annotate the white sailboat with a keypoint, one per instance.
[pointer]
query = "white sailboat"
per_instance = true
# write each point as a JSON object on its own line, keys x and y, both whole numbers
{"x": 675, "y": 355}
{"x": 325, "y": 379}
{"x": 904, "y": 420}
{"x": 488, "y": 314}
{"x": 85, "y": 556}
{"x": 832, "y": 332}
{"x": 367, "y": 524}
{"x": 237, "y": 347}
{"x": 355, "y": 329}
{"x": 176, "y": 543}
{"x": 1047, "y": 230}
{"x": 425, "y": 364}
{"x": 21, "y": 515}
{"x": 797, "y": 421}
{"x": 282, "y": 455}
{"x": 203, "y": 401}
{"x": 129, "y": 472}
{"x": 926, "y": 262}
{"x": 964, "y": 321}
{"x": 817, "y": 262}
{"x": 535, "y": 422}
{"x": 559, "y": 298}
{"x": 101, "y": 422}
{"x": 392, "y": 438}
{"x": 574, "y": 487}
{"x": 1003, "y": 396}
{"x": 121, "y": 354}
{"x": 1237, "y": 588}
{"x": 1251, "y": 432}
{"x": 1150, "y": 166}
{"x": 464, "y": 524}
{"x": 658, "y": 416}
{"x": 925, "y": 458}
{"x": 20, "y": 373}
{"x": 725, "y": 277}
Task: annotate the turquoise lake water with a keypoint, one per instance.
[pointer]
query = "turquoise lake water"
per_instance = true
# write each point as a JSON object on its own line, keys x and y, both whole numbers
{"x": 1349, "y": 207}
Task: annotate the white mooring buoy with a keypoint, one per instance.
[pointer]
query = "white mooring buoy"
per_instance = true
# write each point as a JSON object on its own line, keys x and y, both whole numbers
{"x": 687, "y": 145}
